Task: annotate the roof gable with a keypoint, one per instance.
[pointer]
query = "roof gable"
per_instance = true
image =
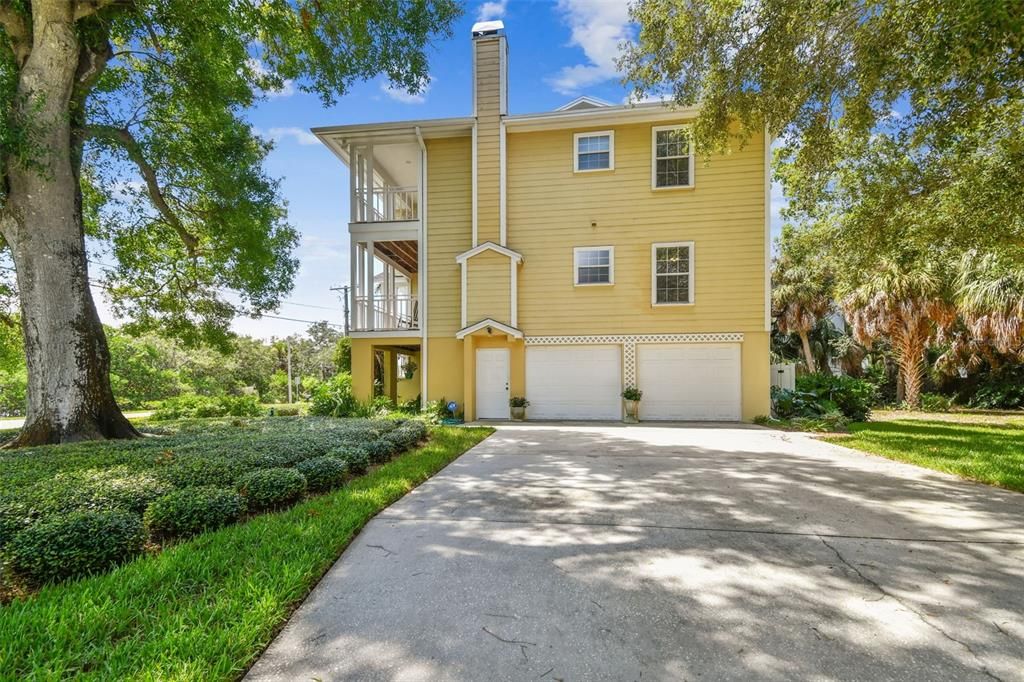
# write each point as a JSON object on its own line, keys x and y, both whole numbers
{"x": 584, "y": 102}
{"x": 489, "y": 246}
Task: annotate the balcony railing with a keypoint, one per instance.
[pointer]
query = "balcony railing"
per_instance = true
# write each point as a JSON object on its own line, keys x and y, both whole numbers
{"x": 388, "y": 204}
{"x": 391, "y": 313}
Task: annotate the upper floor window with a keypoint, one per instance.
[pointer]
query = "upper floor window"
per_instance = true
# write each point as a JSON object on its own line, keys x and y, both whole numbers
{"x": 594, "y": 265}
{"x": 672, "y": 273}
{"x": 671, "y": 157}
{"x": 594, "y": 151}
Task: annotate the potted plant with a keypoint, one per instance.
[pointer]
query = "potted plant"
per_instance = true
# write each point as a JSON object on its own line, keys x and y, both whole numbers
{"x": 518, "y": 405}
{"x": 632, "y": 396}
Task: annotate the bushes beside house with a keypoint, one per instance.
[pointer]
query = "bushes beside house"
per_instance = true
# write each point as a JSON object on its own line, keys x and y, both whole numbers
{"x": 72, "y": 510}
{"x": 334, "y": 398}
{"x": 819, "y": 395}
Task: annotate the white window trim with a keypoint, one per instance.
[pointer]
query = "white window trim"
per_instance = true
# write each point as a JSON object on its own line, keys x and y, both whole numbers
{"x": 576, "y": 154}
{"x": 654, "y": 157}
{"x": 576, "y": 266}
{"x": 654, "y": 273}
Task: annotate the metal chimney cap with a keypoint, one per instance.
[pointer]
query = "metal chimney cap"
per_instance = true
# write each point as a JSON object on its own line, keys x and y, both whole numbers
{"x": 487, "y": 28}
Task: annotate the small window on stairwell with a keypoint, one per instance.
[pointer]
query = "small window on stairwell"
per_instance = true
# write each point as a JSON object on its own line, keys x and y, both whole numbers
{"x": 594, "y": 151}
{"x": 593, "y": 265}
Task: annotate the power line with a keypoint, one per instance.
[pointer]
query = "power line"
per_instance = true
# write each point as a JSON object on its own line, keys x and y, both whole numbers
{"x": 100, "y": 285}
{"x": 294, "y": 319}
{"x": 283, "y": 301}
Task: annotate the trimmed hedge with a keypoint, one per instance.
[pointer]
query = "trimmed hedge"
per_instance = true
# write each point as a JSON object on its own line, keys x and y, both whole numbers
{"x": 271, "y": 488}
{"x": 323, "y": 473}
{"x": 380, "y": 450}
{"x": 356, "y": 458}
{"x": 190, "y": 511}
{"x": 187, "y": 476}
{"x": 78, "y": 544}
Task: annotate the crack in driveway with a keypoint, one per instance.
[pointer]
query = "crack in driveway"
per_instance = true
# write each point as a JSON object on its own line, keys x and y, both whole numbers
{"x": 920, "y": 614}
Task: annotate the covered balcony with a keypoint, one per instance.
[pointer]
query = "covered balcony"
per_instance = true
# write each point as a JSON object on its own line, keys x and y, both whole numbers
{"x": 384, "y": 181}
{"x": 385, "y": 292}
{"x": 385, "y": 231}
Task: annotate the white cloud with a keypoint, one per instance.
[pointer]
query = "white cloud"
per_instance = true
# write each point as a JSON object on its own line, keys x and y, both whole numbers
{"x": 598, "y": 27}
{"x": 400, "y": 94}
{"x": 287, "y": 88}
{"x": 299, "y": 135}
{"x": 491, "y": 10}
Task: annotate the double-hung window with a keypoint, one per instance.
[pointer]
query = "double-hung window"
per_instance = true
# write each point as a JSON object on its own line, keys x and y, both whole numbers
{"x": 593, "y": 265}
{"x": 672, "y": 273}
{"x": 594, "y": 151}
{"x": 671, "y": 157}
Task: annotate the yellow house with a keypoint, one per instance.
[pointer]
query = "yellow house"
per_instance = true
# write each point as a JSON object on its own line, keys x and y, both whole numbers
{"x": 559, "y": 256}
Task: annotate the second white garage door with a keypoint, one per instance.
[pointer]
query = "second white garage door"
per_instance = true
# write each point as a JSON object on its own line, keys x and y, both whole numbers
{"x": 689, "y": 382}
{"x": 574, "y": 382}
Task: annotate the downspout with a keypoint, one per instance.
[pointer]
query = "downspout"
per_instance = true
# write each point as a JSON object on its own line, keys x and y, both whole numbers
{"x": 422, "y": 251}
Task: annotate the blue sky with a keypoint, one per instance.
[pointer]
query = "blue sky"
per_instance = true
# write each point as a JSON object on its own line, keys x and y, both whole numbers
{"x": 558, "y": 50}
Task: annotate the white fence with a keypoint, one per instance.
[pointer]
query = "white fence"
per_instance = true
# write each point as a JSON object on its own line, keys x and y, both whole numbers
{"x": 784, "y": 376}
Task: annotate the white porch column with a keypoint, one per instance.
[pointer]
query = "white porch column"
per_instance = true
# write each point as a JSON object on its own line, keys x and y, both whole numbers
{"x": 360, "y": 285}
{"x": 388, "y": 295}
{"x": 369, "y": 184}
{"x": 353, "y": 283}
{"x": 371, "y": 310}
{"x": 352, "y": 173}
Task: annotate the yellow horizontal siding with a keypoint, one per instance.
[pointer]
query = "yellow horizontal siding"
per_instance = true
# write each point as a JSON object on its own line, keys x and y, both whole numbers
{"x": 551, "y": 209}
{"x": 488, "y": 290}
{"x": 449, "y": 229}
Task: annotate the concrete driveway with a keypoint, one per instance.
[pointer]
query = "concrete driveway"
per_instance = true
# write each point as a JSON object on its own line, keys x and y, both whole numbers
{"x": 605, "y": 552}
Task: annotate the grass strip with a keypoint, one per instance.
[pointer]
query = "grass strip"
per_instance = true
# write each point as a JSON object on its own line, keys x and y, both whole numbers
{"x": 980, "y": 452}
{"x": 204, "y": 609}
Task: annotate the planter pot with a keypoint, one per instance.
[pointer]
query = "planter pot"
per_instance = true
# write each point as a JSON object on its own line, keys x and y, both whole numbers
{"x": 632, "y": 410}
{"x": 518, "y": 414}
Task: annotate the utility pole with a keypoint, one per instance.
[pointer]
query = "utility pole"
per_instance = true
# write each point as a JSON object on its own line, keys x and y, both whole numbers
{"x": 288, "y": 345}
{"x": 344, "y": 302}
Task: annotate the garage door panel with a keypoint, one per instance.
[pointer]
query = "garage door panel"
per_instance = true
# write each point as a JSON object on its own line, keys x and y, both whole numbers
{"x": 574, "y": 382}
{"x": 689, "y": 382}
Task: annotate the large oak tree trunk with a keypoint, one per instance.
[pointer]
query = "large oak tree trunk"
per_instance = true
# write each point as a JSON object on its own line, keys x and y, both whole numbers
{"x": 69, "y": 394}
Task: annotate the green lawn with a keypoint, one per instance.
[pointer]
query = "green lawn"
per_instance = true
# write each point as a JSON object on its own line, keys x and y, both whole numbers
{"x": 204, "y": 609}
{"x": 990, "y": 453}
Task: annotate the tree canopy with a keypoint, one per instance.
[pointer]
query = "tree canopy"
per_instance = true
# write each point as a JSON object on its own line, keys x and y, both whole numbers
{"x": 172, "y": 177}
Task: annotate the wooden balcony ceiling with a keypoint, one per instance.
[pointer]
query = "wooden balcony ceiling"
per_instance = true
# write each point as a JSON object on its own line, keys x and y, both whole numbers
{"x": 403, "y": 253}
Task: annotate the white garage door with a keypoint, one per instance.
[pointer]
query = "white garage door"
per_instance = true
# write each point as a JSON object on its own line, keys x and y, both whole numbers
{"x": 689, "y": 382}
{"x": 574, "y": 382}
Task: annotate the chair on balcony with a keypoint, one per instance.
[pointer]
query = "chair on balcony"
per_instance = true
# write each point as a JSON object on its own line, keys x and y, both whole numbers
{"x": 411, "y": 321}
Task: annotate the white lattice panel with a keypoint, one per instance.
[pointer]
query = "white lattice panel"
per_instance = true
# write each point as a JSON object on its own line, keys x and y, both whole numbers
{"x": 629, "y": 342}
{"x": 729, "y": 337}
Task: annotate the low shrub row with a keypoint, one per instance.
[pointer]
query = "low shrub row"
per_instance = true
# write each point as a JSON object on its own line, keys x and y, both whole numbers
{"x": 107, "y": 499}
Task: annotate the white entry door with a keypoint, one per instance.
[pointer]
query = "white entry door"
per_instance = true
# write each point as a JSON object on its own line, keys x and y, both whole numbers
{"x": 492, "y": 383}
{"x": 689, "y": 382}
{"x": 574, "y": 382}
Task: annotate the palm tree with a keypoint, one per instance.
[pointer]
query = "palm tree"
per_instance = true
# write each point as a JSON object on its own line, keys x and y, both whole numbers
{"x": 990, "y": 300}
{"x": 906, "y": 303}
{"x": 800, "y": 290}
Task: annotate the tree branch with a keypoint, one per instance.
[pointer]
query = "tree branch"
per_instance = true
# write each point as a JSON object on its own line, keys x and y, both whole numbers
{"x": 18, "y": 30}
{"x": 86, "y": 8}
{"x": 124, "y": 138}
